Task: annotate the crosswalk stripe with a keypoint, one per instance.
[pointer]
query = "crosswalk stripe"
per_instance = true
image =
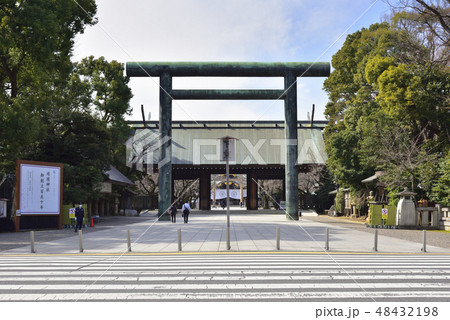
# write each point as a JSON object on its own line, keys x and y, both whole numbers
{"x": 432, "y": 296}
{"x": 249, "y": 278}
{"x": 238, "y": 277}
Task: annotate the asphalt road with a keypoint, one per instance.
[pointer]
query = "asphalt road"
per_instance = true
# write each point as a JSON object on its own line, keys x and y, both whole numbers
{"x": 272, "y": 277}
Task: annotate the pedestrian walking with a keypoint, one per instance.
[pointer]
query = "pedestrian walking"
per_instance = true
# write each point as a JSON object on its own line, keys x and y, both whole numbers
{"x": 79, "y": 216}
{"x": 173, "y": 213}
{"x": 186, "y": 209}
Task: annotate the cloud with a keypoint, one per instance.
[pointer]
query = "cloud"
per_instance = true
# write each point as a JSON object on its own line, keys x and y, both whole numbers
{"x": 218, "y": 30}
{"x": 189, "y": 29}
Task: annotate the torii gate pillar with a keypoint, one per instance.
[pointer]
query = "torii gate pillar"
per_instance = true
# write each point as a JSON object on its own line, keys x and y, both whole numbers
{"x": 290, "y": 133}
{"x": 165, "y": 157}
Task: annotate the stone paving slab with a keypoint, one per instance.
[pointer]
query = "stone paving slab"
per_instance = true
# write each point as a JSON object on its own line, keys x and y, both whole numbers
{"x": 206, "y": 232}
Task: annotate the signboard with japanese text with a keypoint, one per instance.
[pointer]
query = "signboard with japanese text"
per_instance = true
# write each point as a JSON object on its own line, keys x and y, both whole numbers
{"x": 227, "y": 149}
{"x": 39, "y": 189}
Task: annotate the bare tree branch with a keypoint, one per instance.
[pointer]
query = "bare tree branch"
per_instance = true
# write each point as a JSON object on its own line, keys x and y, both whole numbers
{"x": 437, "y": 14}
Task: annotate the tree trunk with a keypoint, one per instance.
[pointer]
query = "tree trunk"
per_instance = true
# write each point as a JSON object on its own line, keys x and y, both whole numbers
{"x": 14, "y": 85}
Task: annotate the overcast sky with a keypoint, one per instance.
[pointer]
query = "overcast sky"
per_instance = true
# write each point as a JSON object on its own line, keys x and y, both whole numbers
{"x": 225, "y": 30}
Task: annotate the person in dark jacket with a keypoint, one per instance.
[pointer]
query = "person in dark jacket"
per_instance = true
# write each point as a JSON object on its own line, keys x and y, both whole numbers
{"x": 79, "y": 216}
{"x": 173, "y": 213}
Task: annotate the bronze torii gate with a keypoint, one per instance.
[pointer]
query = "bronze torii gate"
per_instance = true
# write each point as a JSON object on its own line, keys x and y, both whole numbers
{"x": 289, "y": 71}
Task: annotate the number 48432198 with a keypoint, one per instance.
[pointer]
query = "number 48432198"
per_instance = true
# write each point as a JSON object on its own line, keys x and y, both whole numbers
{"x": 407, "y": 311}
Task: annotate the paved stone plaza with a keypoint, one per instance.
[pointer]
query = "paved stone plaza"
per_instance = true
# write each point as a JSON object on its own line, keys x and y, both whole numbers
{"x": 206, "y": 232}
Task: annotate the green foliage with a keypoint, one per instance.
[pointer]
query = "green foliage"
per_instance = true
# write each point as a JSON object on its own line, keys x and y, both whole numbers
{"x": 53, "y": 110}
{"x": 343, "y": 152}
{"x": 394, "y": 92}
{"x": 387, "y": 110}
{"x": 39, "y": 34}
{"x": 18, "y": 128}
{"x": 111, "y": 100}
{"x": 76, "y": 134}
{"x": 392, "y": 195}
{"x": 82, "y": 143}
{"x": 376, "y": 66}
{"x": 36, "y": 40}
{"x": 340, "y": 201}
{"x": 441, "y": 190}
{"x": 109, "y": 86}
{"x": 358, "y": 198}
{"x": 352, "y": 100}
{"x": 326, "y": 185}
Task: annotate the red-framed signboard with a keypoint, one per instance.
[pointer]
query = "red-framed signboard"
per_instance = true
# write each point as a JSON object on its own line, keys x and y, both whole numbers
{"x": 38, "y": 190}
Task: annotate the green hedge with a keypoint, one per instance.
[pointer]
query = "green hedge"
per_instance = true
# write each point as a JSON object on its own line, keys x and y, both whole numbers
{"x": 375, "y": 218}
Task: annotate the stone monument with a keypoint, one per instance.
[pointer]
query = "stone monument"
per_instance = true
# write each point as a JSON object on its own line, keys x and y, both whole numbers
{"x": 406, "y": 210}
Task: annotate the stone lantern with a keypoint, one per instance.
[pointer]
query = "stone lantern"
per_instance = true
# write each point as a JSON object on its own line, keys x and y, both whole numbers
{"x": 406, "y": 210}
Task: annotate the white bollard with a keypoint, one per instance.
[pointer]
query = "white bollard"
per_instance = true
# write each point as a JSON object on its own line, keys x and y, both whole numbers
{"x": 80, "y": 240}
{"x": 278, "y": 238}
{"x": 228, "y": 239}
{"x": 327, "y": 240}
{"x": 32, "y": 241}
{"x": 424, "y": 248}
{"x": 128, "y": 241}
{"x": 375, "y": 244}
{"x": 179, "y": 239}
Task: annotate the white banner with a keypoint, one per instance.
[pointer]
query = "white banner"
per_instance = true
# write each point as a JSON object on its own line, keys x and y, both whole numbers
{"x": 39, "y": 189}
{"x": 234, "y": 194}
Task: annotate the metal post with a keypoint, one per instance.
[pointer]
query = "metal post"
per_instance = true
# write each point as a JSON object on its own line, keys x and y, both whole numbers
{"x": 227, "y": 142}
{"x": 375, "y": 244}
{"x": 424, "y": 248}
{"x": 128, "y": 241}
{"x": 278, "y": 238}
{"x": 179, "y": 239}
{"x": 327, "y": 240}
{"x": 80, "y": 240}
{"x": 32, "y": 241}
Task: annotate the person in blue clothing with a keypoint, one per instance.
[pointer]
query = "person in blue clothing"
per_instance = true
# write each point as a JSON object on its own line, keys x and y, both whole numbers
{"x": 185, "y": 210}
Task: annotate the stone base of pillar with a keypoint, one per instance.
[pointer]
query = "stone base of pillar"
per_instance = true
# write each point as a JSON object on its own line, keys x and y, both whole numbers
{"x": 252, "y": 191}
{"x": 205, "y": 191}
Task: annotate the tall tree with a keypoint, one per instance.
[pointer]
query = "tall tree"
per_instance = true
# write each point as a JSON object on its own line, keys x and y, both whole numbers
{"x": 109, "y": 87}
{"x": 441, "y": 189}
{"x": 402, "y": 155}
{"x": 36, "y": 41}
{"x": 78, "y": 135}
{"x": 111, "y": 100}
{"x": 433, "y": 15}
{"x": 352, "y": 99}
{"x": 378, "y": 86}
{"x": 40, "y": 34}
{"x": 82, "y": 144}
